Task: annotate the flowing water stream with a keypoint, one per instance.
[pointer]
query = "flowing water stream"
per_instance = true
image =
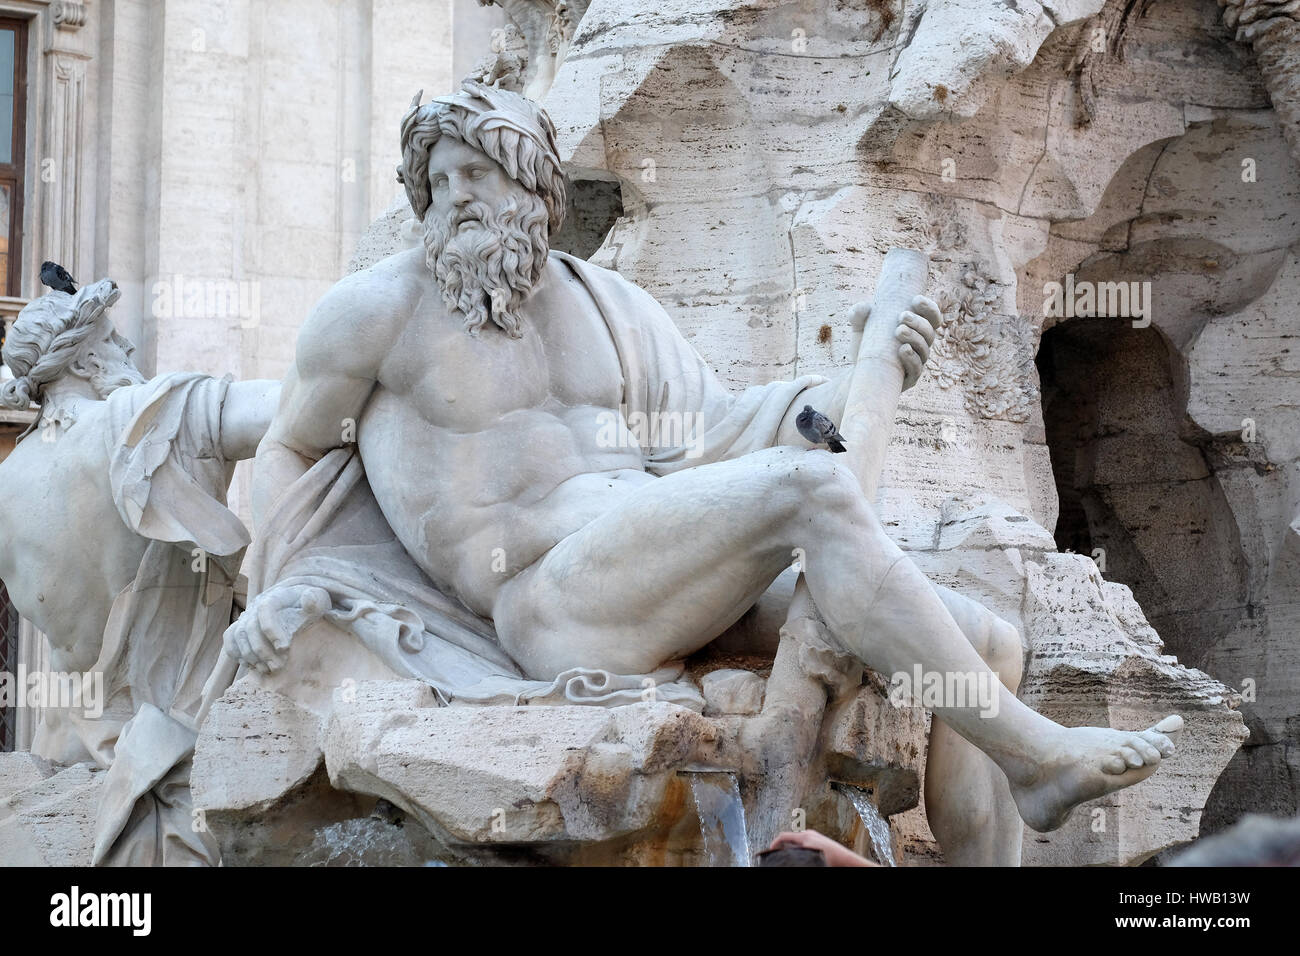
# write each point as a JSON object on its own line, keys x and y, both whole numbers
{"x": 722, "y": 817}
{"x": 882, "y": 840}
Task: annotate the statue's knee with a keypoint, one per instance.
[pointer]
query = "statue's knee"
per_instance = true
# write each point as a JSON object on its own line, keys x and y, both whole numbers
{"x": 824, "y": 484}
{"x": 1003, "y": 651}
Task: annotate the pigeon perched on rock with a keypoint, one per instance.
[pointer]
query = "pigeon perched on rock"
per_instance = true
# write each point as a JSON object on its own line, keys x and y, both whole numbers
{"x": 57, "y": 278}
{"x": 819, "y": 429}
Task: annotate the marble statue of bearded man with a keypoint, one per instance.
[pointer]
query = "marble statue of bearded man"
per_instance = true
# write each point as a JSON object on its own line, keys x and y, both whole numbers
{"x": 455, "y": 480}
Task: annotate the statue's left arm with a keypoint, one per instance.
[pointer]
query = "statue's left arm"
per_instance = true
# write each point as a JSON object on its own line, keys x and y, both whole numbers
{"x": 761, "y": 416}
{"x": 246, "y": 415}
{"x": 916, "y": 332}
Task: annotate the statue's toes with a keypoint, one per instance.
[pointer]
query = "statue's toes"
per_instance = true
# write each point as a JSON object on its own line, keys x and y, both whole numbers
{"x": 1131, "y": 757}
{"x": 1170, "y": 725}
{"x": 1146, "y": 749}
{"x": 1162, "y": 744}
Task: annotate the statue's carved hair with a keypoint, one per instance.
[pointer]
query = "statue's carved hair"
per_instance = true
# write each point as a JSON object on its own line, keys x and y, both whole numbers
{"x": 47, "y": 337}
{"x": 513, "y": 131}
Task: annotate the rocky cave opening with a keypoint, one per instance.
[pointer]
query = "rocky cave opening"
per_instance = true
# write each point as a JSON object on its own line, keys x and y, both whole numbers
{"x": 592, "y": 208}
{"x": 1136, "y": 482}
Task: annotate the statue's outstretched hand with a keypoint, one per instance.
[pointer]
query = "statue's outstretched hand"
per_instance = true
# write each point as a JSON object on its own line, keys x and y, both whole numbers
{"x": 915, "y": 334}
{"x": 916, "y": 331}
{"x": 263, "y": 633}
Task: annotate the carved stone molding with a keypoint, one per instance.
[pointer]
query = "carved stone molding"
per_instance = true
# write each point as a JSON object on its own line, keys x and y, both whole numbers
{"x": 972, "y": 350}
{"x": 527, "y": 55}
{"x": 61, "y": 183}
{"x": 68, "y": 14}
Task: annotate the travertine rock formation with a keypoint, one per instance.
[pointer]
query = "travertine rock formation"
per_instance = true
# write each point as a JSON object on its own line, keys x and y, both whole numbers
{"x": 1272, "y": 28}
{"x": 47, "y": 813}
{"x": 519, "y": 784}
{"x": 1093, "y": 658}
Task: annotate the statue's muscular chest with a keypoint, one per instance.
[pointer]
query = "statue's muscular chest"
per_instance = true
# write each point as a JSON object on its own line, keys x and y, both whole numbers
{"x": 465, "y": 382}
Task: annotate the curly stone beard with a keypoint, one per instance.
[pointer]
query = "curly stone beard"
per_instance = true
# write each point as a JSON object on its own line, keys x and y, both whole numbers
{"x": 105, "y": 381}
{"x": 487, "y": 272}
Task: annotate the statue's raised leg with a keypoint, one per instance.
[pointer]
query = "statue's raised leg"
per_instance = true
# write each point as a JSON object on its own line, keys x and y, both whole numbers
{"x": 624, "y": 594}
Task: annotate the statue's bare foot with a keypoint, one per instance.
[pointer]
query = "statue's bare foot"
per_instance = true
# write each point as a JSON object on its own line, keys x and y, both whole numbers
{"x": 1091, "y": 762}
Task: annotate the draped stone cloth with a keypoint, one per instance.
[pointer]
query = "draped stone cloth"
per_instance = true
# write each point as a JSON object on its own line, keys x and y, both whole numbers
{"x": 326, "y": 529}
{"x": 163, "y": 635}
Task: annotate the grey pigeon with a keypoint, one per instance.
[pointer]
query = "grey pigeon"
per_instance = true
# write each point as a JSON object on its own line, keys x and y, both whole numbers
{"x": 57, "y": 278}
{"x": 819, "y": 429}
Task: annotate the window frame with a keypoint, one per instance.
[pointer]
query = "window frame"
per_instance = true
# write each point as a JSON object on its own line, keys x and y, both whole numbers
{"x": 13, "y": 173}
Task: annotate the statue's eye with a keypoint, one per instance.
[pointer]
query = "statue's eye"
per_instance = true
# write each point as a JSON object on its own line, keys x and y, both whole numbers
{"x": 439, "y": 181}
{"x": 477, "y": 172}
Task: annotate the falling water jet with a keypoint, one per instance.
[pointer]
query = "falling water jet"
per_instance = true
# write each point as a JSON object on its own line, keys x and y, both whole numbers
{"x": 722, "y": 817}
{"x": 877, "y": 827}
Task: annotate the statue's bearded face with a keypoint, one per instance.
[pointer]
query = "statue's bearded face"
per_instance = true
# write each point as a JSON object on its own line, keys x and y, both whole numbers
{"x": 106, "y": 360}
{"x": 485, "y": 236}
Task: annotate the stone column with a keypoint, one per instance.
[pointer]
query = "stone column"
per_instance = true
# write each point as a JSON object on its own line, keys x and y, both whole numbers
{"x": 61, "y": 186}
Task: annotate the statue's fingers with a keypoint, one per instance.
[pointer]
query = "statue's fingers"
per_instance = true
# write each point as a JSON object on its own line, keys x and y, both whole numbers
{"x": 245, "y": 654}
{"x": 270, "y": 619}
{"x": 912, "y": 366}
{"x": 230, "y": 640}
{"x": 858, "y": 317}
{"x": 267, "y": 656}
{"x": 907, "y": 335}
{"x": 248, "y": 653}
{"x": 929, "y": 309}
{"x": 918, "y": 325}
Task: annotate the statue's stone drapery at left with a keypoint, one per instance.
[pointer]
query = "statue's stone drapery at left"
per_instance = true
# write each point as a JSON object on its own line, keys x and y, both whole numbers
{"x": 120, "y": 547}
